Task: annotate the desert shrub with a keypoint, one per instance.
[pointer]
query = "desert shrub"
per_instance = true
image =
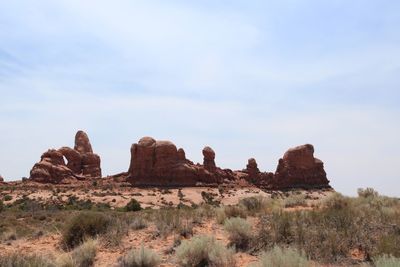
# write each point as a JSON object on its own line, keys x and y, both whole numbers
{"x": 20, "y": 260}
{"x": 185, "y": 229}
{"x": 133, "y": 205}
{"x": 389, "y": 244}
{"x": 82, "y": 256}
{"x": 387, "y": 261}
{"x": 203, "y": 251}
{"x": 341, "y": 224}
{"x": 7, "y": 198}
{"x": 209, "y": 198}
{"x": 167, "y": 221}
{"x": 235, "y": 211}
{"x": 283, "y": 257}
{"x": 116, "y": 229}
{"x": 367, "y": 192}
{"x": 82, "y": 226}
{"x": 138, "y": 223}
{"x": 252, "y": 204}
{"x": 239, "y": 232}
{"x": 142, "y": 257}
{"x": 295, "y": 201}
{"x": 2, "y": 208}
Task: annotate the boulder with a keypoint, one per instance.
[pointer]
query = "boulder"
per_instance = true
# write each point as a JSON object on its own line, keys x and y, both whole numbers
{"x": 300, "y": 169}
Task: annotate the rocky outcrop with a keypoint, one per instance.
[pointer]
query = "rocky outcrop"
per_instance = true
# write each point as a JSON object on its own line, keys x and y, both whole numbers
{"x": 160, "y": 163}
{"x": 252, "y": 169}
{"x": 82, "y": 143}
{"x": 209, "y": 159}
{"x": 81, "y": 163}
{"x": 300, "y": 169}
{"x": 51, "y": 168}
{"x": 1, "y": 179}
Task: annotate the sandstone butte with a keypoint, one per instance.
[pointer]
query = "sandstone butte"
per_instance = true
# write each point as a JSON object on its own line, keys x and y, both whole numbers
{"x": 162, "y": 164}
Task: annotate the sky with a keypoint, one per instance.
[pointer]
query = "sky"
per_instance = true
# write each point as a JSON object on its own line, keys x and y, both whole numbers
{"x": 248, "y": 78}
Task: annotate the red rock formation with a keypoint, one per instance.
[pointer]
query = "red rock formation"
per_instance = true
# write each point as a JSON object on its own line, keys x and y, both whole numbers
{"x": 209, "y": 159}
{"x": 159, "y": 163}
{"x": 82, "y": 143}
{"x": 81, "y": 162}
{"x": 252, "y": 169}
{"x": 51, "y": 168}
{"x": 299, "y": 168}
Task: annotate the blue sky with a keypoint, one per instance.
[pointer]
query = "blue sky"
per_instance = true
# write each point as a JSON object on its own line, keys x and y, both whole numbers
{"x": 248, "y": 78}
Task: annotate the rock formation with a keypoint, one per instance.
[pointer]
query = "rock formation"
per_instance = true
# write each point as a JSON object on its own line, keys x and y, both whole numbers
{"x": 1, "y": 179}
{"x": 159, "y": 163}
{"x": 299, "y": 168}
{"x": 252, "y": 169}
{"x": 209, "y": 159}
{"x": 81, "y": 162}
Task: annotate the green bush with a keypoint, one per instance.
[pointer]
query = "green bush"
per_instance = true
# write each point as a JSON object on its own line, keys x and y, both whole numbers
{"x": 82, "y": 226}
{"x": 7, "y": 198}
{"x": 133, "y": 205}
{"x": 239, "y": 232}
{"x": 20, "y": 260}
{"x": 203, "y": 251}
{"x": 142, "y": 257}
{"x": 2, "y": 208}
{"x": 278, "y": 257}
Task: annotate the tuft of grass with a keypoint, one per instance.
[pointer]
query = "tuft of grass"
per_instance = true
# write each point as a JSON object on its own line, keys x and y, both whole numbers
{"x": 239, "y": 232}
{"x": 295, "y": 201}
{"x": 19, "y": 260}
{"x": 203, "y": 251}
{"x": 227, "y": 212}
{"x": 82, "y": 256}
{"x": 387, "y": 261}
{"x": 283, "y": 257}
{"x": 138, "y": 223}
{"x": 82, "y": 226}
{"x": 142, "y": 257}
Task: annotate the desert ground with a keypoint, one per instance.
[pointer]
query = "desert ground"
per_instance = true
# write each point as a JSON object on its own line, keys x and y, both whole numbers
{"x": 51, "y": 224}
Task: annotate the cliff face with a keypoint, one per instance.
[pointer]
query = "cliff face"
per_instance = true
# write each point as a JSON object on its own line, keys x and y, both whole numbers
{"x": 160, "y": 163}
{"x": 81, "y": 162}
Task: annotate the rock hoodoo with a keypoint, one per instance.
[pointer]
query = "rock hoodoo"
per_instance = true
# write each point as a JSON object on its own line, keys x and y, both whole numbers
{"x": 299, "y": 168}
{"x": 252, "y": 171}
{"x": 209, "y": 159}
{"x": 81, "y": 162}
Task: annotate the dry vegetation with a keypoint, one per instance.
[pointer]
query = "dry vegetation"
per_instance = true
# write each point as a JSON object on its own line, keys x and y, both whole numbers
{"x": 275, "y": 229}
